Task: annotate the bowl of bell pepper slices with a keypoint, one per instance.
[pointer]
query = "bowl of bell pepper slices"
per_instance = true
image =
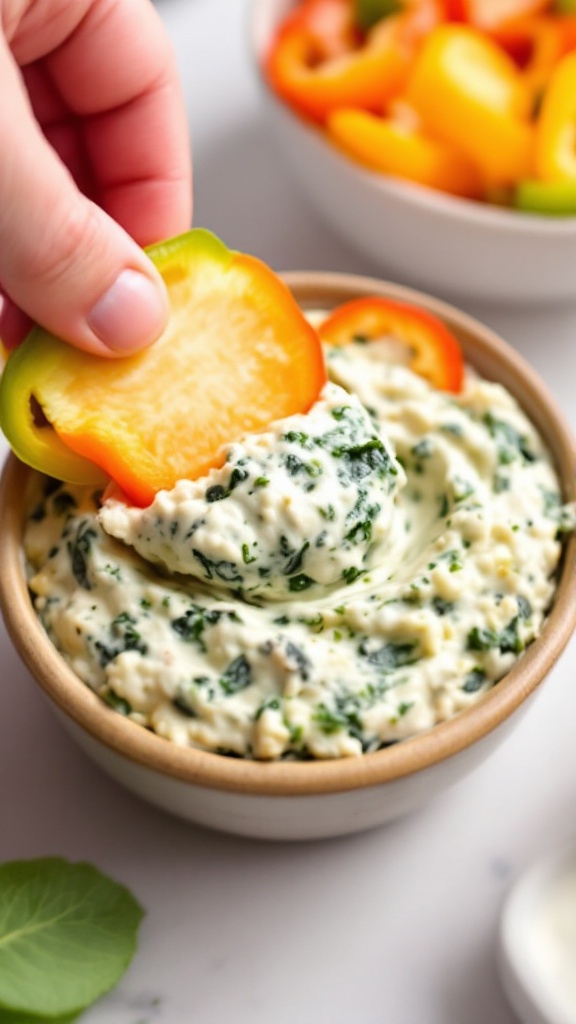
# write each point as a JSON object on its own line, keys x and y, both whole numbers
{"x": 437, "y": 135}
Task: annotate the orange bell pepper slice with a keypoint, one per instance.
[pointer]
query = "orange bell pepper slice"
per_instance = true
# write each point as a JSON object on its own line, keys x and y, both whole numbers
{"x": 555, "y": 157}
{"x": 470, "y": 95}
{"x": 366, "y": 76}
{"x": 237, "y": 354}
{"x": 435, "y": 352}
{"x": 394, "y": 148}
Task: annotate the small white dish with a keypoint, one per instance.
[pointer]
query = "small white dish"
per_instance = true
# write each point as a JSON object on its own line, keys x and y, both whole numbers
{"x": 537, "y": 941}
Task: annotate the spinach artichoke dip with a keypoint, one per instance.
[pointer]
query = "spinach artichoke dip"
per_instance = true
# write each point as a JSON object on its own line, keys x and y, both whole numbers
{"x": 346, "y": 579}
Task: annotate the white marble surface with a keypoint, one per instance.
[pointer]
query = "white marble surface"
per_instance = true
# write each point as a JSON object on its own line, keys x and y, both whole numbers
{"x": 396, "y": 925}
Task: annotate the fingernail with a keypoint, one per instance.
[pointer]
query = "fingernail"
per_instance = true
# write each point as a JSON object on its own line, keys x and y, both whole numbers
{"x": 131, "y": 314}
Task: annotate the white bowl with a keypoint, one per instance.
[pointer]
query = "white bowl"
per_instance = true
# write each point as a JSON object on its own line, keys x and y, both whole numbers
{"x": 537, "y": 942}
{"x": 307, "y": 799}
{"x": 452, "y": 246}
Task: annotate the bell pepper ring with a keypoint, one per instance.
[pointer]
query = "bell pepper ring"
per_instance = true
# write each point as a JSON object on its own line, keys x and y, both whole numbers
{"x": 435, "y": 352}
{"x": 396, "y": 149}
{"x": 237, "y": 354}
{"x": 367, "y": 76}
{"x": 555, "y": 155}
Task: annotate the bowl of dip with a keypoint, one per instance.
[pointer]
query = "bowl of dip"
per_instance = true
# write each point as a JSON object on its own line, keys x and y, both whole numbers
{"x": 391, "y": 652}
{"x": 448, "y": 245}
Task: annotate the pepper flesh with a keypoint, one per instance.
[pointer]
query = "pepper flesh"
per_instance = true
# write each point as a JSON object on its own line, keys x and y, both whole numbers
{"x": 555, "y": 157}
{"x": 435, "y": 352}
{"x": 237, "y": 354}
{"x": 394, "y": 148}
{"x": 470, "y": 95}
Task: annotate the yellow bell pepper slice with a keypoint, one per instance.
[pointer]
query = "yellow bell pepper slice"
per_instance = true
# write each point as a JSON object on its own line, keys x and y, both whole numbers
{"x": 555, "y": 156}
{"x": 471, "y": 96}
{"x": 393, "y": 148}
{"x": 237, "y": 354}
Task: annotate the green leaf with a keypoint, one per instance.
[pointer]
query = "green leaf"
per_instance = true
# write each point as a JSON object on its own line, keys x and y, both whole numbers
{"x": 67, "y": 934}
{"x": 369, "y": 12}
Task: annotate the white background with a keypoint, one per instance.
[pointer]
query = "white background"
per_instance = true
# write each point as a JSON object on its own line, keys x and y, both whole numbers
{"x": 397, "y": 925}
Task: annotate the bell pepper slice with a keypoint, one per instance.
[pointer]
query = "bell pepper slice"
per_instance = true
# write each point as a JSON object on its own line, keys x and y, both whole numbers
{"x": 393, "y": 148}
{"x": 366, "y": 76}
{"x": 470, "y": 95}
{"x": 237, "y": 354}
{"x": 553, "y": 198}
{"x": 435, "y": 352}
{"x": 555, "y": 156}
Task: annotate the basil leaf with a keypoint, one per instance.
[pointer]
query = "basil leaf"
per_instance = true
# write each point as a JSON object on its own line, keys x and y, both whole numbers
{"x": 67, "y": 934}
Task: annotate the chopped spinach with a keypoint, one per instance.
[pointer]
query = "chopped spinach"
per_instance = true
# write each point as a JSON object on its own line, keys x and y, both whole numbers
{"x": 390, "y": 656}
{"x": 298, "y": 583}
{"x": 270, "y": 704}
{"x": 507, "y": 640}
{"x": 301, "y": 660}
{"x": 117, "y": 703}
{"x": 78, "y": 550}
{"x": 63, "y": 502}
{"x": 474, "y": 680}
{"x": 123, "y": 637}
{"x": 237, "y": 676}
{"x": 222, "y": 569}
{"x": 511, "y": 443}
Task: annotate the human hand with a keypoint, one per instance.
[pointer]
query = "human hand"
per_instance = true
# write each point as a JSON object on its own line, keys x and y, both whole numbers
{"x": 95, "y": 163}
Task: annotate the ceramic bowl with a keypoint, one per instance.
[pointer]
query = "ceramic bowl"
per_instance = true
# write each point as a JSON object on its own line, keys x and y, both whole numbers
{"x": 450, "y": 246}
{"x": 304, "y": 800}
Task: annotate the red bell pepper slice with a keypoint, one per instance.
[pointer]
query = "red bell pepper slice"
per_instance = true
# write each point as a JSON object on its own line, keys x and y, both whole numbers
{"x": 436, "y": 354}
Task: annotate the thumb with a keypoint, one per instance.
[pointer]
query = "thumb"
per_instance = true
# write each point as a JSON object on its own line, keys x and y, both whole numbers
{"x": 63, "y": 261}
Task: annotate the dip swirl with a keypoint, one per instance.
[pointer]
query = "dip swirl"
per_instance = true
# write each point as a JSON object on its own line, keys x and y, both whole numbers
{"x": 414, "y": 595}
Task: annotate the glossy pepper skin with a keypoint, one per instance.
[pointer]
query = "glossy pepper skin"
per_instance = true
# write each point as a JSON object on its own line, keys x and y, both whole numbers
{"x": 315, "y": 79}
{"x": 555, "y": 157}
{"x": 237, "y": 354}
{"x": 385, "y": 145}
{"x": 435, "y": 352}
{"x": 470, "y": 95}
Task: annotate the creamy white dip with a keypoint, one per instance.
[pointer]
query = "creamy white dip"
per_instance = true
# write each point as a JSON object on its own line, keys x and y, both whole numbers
{"x": 347, "y": 579}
